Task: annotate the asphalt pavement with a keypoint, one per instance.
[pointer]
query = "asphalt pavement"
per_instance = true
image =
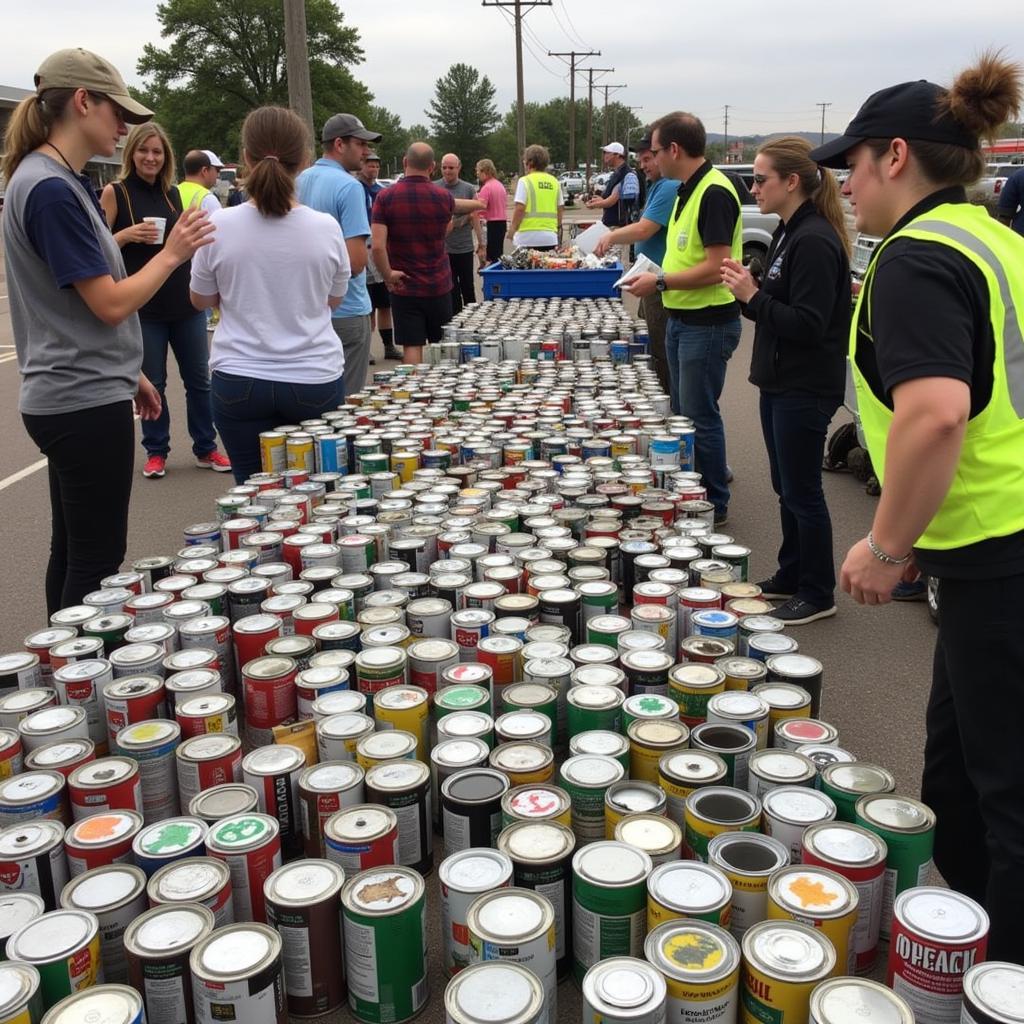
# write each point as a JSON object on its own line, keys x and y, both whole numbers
{"x": 877, "y": 661}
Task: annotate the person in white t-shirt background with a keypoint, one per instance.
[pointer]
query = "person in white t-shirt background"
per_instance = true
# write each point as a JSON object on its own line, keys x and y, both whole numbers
{"x": 276, "y": 272}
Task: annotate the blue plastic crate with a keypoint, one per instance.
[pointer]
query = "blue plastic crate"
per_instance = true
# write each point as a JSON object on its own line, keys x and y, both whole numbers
{"x": 499, "y": 283}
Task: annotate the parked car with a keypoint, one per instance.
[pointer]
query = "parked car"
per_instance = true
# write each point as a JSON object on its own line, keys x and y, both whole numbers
{"x": 572, "y": 182}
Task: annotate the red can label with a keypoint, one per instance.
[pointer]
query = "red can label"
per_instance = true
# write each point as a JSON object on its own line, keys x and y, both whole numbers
{"x": 372, "y": 686}
{"x": 270, "y": 702}
{"x": 125, "y": 795}
{"x": 248, "y": 873}
{"x": 374, "y": 853}
{"x": 929, "y": 975}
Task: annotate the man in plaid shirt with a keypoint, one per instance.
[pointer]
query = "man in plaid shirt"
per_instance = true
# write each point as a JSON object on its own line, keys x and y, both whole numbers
{"x": 410, "y": 223}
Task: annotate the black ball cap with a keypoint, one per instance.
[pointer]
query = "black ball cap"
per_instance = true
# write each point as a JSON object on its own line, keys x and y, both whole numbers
{"x": 908, "y": 111}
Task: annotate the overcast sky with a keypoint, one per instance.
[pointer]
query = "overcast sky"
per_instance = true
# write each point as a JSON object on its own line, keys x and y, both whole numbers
{"x": 770, "y": 61}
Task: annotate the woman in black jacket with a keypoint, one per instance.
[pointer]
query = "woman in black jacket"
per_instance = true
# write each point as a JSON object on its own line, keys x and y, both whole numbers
{"x": 801, "y": 307}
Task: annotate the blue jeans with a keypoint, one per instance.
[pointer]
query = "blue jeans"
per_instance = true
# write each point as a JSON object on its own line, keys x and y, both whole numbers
{"x": 187, "y": 339}
{"x": 243, "y": 407}
{"x": 795, "y": 424}
{"x": 697, "y": 358}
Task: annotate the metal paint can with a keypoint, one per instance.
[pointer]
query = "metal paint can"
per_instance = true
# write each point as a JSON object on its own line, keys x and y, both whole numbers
{"x": 691, "y": 685}
{"x": 648, "y": 707}
{"x": 937, "y": 936}
{"x": 858, "y": 855}
{"x": 325, "y": 789}
{"x": 152, "y": 744}
{"x": 406, "y": 708}
{"x": 993, "y": 994}
{"x": 793, "y": 733}
{"x": 446, "y": 759}
{"x": 483, "y": 992}
{"x": 50, "y": 724}
{"x": 516, "y": 726}
{"x": 205, "y": 881}
{"x": 209, "y": 713}
{"x": 629, "y": 797}
{"x": 337, "y": 735}
{"x": 732, "y": 742}
{"x": 609, "y": 914}
{"x": 237, "y": 975}
{"x": 688, "y": 889}
{"x": 20, "y": 1000}
{"x": 700, "y": 963}
{"x": 362, "y": 837}
{"x": 523, "y": 763}
{"x": 109, "y": 784}
{"x": 404, "y": 788}
{"x": 390, "y": 745}
{"x": 116, "y": 895}
{"x": 713, "y": 810}
{"x": 80, "y": 684}
{"x": 649, "y": 741}
{"x": 770, "y": 769}
{"x": 748, "y": 861}
{"x": 304, "y": 905}
{"x": 738, "y": 707}
{"x": 203, "y": 762}
{"x": 782, "y": 963}
{"x": 223, "y": 801}
{"x": 517, "y": 925}
{"x": 586, "y": 778}
{"x": 250, "y": 844}
{"x": 32, "y": 860}
{"x": 63, "y": 756}
{"x": 33, "y": 795}
{"x": 659, "y": 837}
{"x": 541, "y": 854}
{"x": 273, "y": 771}
{"x": 788, "y": 811}
{"x": 268, "y": 686}
{"x": 64, "y": 946}
{"x": 843, "y": 1000}
{"x": 908, "y": 828}
{"x": 384, "y": 915}
{"x": 536, "y": 803}
{"x": 819, "y": 898}
{"x": 167, "y": 841}
{"x": 132, "y": 699}
{"x": 847, "y": 783}
{"x": 471, "y": 808}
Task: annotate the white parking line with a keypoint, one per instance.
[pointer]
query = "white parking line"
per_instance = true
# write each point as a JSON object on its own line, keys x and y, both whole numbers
{"x": 21, "y": 474}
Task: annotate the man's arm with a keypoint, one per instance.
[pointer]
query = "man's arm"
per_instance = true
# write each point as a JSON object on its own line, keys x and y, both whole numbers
{"x": 469, "y": 205}
{"x": 598, "y": 202}
{"x": 380, "y": 256}
{"x": 638, "y": 231}
{"x": 356, "y": 253}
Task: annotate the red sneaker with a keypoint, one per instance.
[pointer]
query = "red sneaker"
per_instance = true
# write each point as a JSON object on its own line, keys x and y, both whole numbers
{"x": 215, "y": 461}
{"x": 155, "y": 467}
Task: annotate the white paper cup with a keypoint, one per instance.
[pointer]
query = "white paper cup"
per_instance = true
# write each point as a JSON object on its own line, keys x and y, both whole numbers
{"x": 160, "y": 223}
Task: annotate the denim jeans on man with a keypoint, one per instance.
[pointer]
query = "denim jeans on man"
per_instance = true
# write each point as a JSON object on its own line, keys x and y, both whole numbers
{"x": 188, "y": 341}
{"x": 243, "y": 407}
{"x": 795, "y": 425}
{"x": 697, "y": 358}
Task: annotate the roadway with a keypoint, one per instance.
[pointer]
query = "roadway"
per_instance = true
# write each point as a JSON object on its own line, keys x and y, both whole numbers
{"x": 877, "y": 661}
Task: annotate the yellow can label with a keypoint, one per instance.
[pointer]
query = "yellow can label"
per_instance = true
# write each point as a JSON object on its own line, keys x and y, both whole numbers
{"x": 768, "y": 1000}
{"x": 736, "y": 682}
{"x": 643, "y": 762}
{"x": 272, "y": 458}
{"x": 414, "y": 719}
{"x": 699, "y": 833}
{"x": 658, "y": 913}
{"x": 545, "y": 773}
{"x": 6, "y": 771}
{"x": 404, "y": 466}
{"x": 776, "y": 715}
{"x": 612, "y": 817}
{"x": 21, "y": 1017}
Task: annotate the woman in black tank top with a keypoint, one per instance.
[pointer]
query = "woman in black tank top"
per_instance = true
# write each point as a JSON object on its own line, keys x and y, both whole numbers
{"x": 145, "y": 193}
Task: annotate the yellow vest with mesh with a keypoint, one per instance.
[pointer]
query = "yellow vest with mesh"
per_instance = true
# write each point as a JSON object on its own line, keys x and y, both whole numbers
{"x": 986, "y": 498}
{"x": 192, "y": 194}
{"x": 542, "y": 194}
{"x": 684, "y": 248}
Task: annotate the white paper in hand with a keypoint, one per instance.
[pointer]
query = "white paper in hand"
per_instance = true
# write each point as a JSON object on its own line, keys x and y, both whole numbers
{"x": 585, "y": 241}
{"x": 641, "y": 265}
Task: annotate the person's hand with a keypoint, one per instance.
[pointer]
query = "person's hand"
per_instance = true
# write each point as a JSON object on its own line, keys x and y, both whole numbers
{"x": 143, "y": 233}
{"x": 592, "y": 202}
{"x": 738, "y": 280}
{"x": 642, "y": 285}
{"x": 868, "y": 580}
{"x": 604, "y": 243}
{"x": 192, "y": 231}
{"x": 395, "y": 280}
{"x": 147, "y": 400}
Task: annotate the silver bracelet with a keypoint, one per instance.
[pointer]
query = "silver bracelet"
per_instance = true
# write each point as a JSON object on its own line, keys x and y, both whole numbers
{"x": 882, "y": 556}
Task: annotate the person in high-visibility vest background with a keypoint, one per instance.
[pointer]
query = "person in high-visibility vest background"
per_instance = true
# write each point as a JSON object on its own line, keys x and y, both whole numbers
{"x": 937, "y": 353}
{"x": 538, "y": 204}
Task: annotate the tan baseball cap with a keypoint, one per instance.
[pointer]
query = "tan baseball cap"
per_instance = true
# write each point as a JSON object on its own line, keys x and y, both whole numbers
{"x": 81, "y": 69}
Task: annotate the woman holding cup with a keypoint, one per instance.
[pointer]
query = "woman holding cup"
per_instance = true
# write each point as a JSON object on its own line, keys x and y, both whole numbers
{"x": 73, "y": 311}
{"x": 141, "y": 207}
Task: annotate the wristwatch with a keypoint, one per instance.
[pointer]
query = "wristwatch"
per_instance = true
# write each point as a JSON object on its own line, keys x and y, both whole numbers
{"x": 659, "y": 281}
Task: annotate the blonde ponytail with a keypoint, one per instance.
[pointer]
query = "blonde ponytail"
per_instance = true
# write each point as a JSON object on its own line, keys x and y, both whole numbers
{"x": 30, "y": 125}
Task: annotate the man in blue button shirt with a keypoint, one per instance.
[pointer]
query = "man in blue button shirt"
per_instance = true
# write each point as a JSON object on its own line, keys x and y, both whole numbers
{"x": 1011, "y": 202}
{"x": 330, "y": 186}
{"x": 648, "y": 234}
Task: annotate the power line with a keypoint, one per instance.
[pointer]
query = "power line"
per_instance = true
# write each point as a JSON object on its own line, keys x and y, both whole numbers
{"x": 568, "y": 18}
{"x": 590, "y": 72}
{"x": 573, "y": 56}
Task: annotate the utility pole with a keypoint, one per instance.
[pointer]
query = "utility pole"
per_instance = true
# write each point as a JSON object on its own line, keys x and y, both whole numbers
{"x": 300, "y": 94}
{"x": 604, "y": 118}
{"x": 520, "y": 8}
{"x": 824, "y": 107}
{"x": 590, "y": 110}
{"x": 574, "y": 56}
{"x": 725, "y": 154}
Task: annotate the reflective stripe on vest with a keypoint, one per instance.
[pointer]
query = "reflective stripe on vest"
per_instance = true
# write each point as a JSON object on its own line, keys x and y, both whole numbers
{"x": 684, "y": 248}
{"x": 542, "y": 192}
{"x": 192, "y": 194}
{"x": 986, "y": 497}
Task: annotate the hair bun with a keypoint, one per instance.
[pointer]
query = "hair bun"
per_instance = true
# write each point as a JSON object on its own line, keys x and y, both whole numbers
{"x": 984, "y": 97}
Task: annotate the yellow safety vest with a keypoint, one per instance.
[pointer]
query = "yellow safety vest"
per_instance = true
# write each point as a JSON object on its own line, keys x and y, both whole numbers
{"x": 542, "y": 195}
{"x": 192, "y": 194}
{"x": 986, "y": 498}
{"x": 684, "y": 248}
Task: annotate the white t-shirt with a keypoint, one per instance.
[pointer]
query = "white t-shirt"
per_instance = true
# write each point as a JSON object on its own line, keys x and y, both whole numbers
{"x": 210, "y": 203}
{"x": 273, "y": 275}
{"x": 527, "y": 239}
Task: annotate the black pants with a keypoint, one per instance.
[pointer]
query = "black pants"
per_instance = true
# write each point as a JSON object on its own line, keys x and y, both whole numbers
{"x": 463, "y": 280}
{"x": 496, "y": 239}
{"x": 795, "y": 424}
{"x": 973, "y": 768}
{"x": 92, "y": 457}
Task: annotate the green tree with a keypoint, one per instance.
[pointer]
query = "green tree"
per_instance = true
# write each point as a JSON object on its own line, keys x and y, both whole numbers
{"x": 462, "y": 114}
{"x": 227, "y": 57}
{"x": 394, "y": 142}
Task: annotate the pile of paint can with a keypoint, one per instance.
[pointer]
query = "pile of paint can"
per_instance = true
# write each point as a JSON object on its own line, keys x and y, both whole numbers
{"x": 479, "y": 615}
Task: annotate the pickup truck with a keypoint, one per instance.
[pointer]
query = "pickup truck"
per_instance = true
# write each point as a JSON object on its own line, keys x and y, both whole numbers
{"x": 572, "y": 183}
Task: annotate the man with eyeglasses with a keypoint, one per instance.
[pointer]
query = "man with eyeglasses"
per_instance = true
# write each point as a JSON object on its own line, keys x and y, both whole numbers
{"x": 703, "y": 316}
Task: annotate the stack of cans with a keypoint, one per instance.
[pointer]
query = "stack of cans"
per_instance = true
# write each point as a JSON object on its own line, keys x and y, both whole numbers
{"x": 478, "y": 616}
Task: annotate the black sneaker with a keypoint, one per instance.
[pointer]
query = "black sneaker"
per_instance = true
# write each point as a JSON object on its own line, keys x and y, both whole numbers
{"x": 721, "y": 518}
{"x": 772, "y": 590}
{"x": 797, "y": 612}
{"x": 393, "y": 353}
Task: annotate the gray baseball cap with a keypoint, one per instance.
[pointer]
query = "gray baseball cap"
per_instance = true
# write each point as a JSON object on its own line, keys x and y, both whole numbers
{"x": 340, "y": 126}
